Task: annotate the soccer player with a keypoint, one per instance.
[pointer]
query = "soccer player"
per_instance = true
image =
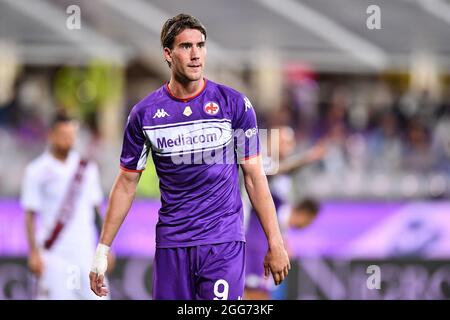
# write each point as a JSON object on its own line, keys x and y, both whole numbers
{"x": 64, "y": 189}
{"x": 257, "y": 286}
{"x": 186, "y": 123}
{"x": 304, "y": 213}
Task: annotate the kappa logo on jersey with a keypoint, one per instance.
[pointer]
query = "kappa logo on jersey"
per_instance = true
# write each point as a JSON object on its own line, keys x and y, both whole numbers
{"x": 211, "y": 108}
{"x": 160, "y": 113}
{"x": 248, "y": 104}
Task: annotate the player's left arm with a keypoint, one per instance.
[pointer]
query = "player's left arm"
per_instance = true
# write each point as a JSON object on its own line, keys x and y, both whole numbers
{"x": 276, "y": 260}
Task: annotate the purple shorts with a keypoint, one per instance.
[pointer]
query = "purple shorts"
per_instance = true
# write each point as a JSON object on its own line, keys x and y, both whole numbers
{"x": 204, "y": 272}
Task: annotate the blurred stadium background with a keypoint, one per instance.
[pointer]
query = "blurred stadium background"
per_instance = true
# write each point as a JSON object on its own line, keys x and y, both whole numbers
{"x": 381, "y": 98}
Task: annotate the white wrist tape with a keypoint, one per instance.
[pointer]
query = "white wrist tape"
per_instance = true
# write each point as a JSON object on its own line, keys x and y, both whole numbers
{"x": 100, "y": 263}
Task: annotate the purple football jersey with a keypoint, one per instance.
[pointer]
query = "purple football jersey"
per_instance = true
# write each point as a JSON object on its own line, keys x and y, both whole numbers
{"x": 195, "y": 144}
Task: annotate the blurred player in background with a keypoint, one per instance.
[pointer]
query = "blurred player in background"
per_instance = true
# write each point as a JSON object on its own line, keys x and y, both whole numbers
{"x": 257, "y": 286}
{"x": 200, "y": 248}
{"x": 304, "y": 213}
{"x": 64, "y": 189}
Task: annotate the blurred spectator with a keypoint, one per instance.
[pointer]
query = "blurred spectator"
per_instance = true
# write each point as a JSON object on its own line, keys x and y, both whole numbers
{"x": 385, "y": 142}
{"x": 417, "y": 155}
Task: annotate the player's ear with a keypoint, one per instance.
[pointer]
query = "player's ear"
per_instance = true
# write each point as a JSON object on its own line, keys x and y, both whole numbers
{"x": 167, "y": 54}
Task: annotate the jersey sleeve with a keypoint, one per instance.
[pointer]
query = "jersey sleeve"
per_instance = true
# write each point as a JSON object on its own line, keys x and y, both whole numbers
{"x": 135, "y": 147}
{"x": 245, "y": 130}
{"x": 30, "y": 196}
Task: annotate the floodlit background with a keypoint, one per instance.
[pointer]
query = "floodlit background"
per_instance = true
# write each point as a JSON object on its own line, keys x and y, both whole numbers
{"x": 379, "y": 97}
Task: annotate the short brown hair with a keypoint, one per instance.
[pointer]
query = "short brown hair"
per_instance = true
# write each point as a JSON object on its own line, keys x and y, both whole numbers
{"x": 174, "y": 26}
{"x": 60, "y": 117}
{"x": 310, "y": 205}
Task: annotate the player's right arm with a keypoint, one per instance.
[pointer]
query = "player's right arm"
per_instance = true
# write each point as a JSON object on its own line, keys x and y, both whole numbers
{"x": 120, "y": 200}
{"x": 133, "y": 159}
{"x": 35, "y": 262}
{"x": 31, "y": 201}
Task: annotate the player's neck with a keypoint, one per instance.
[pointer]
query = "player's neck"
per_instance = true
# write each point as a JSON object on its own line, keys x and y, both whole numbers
{"x": 185, "y": 89}
{"x": 59, "y": 154}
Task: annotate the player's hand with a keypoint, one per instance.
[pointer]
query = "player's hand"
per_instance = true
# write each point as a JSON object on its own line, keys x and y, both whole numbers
{"x": 277, "y": 263}
{"x": 316, "y": 153}
{"x": 35, "y": 262}
{"x": 98, "y": 269}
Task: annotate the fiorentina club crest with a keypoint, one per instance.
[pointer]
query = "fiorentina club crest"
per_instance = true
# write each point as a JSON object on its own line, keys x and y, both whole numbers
{"x": 211, "y": 108}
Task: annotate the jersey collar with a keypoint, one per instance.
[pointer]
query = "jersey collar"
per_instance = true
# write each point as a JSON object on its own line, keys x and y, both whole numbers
{"x": 166, "y": 87}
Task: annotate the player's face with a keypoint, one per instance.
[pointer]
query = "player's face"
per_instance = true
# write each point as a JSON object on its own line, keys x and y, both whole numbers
{"x": 301, "y": 218}
{"x": 187, "y": 57}
{"x": 62, "y": 136}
